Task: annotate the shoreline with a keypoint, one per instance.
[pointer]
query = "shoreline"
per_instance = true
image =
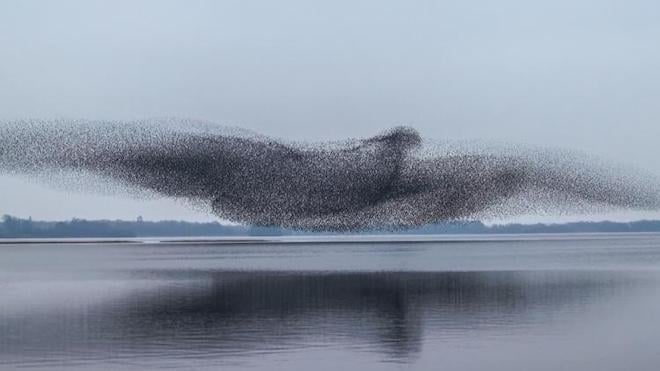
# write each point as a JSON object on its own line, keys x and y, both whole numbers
{"x": 328, "y": 239}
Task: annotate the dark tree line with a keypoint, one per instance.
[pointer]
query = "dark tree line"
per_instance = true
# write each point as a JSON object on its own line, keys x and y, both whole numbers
{"x": 13, "y": 227}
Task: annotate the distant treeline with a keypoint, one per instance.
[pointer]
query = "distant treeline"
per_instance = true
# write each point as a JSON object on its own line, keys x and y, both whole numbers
{"x": 12, "y": 227}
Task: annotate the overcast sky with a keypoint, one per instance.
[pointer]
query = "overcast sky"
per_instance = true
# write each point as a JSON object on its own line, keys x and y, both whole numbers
{"x": 572, "y": 74}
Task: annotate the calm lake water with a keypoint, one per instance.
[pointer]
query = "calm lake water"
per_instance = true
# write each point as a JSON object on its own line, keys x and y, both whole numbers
{"x": 572, "y": 302}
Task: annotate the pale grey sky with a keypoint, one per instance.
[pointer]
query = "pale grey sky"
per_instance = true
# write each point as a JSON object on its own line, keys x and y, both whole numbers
{"x": 563, "y": 73}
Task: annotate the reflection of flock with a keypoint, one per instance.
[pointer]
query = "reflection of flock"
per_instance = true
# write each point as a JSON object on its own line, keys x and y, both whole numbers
{"x": 385, "y": 181}
{"x": 228, "y": 314}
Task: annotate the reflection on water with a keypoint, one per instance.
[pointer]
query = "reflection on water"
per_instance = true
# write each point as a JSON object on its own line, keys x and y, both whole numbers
{"x": 197, "y": 318}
